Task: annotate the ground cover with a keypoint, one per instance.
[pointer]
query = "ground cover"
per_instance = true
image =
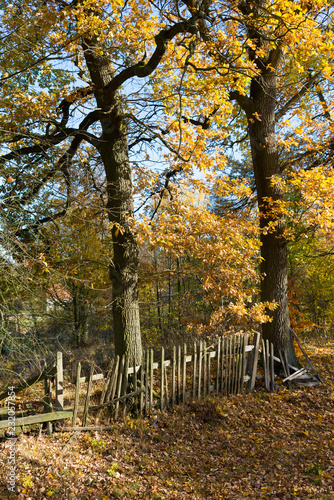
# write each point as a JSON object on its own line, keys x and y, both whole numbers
{"x": 258, "y": 446}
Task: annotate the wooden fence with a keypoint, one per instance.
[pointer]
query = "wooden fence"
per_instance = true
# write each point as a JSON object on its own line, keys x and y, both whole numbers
{"x": 190, "y": 373}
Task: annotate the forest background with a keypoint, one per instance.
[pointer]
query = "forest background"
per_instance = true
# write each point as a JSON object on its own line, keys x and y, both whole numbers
{"x": 172, "y": 159}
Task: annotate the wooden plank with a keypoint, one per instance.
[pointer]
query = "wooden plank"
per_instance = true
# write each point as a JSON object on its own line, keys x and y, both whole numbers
{"x": 48, "y": 401}
{"x": 162, "y": 385}
{"x": 107, "y": 381}
{"x": 173, "y": 375}
{"x": 59, "y": 382}
{"x": 31, "y": 381}
{"x": 239, "y": 370}
{"x": 205, "y": 370}
{"x": 234, "y": 363}
{"x": 184, "y": 373}
{"x": 200, "y": 355}
{"x": 178, "y": 375}
{"x": 38, "y": 419}
{"x": 119, "y": 385}
{"x": 147, "y": 380}
{"x": 194, "y": 370}
{"x": 245, "y": 355}
{"x": 254, "y": 361}
{"x": 306, "y": 356}
{"x": 151, "y": 378}
{"x": 218, "y": 366}
{"x": 142, "y": 385}
{"x": 76, "y": 395}
{"x": 125, "y": 381}
{"x": 111, "y": 391}
{"x": 222, "y": 381}
{"x": 96, "y": 376}
{"x": 272, "y": 368}
{"x": 228, "y": 363}
{"x": 295, "y": 374}
{"x": 89, "y": 388}
{"x": 209, "y": 372}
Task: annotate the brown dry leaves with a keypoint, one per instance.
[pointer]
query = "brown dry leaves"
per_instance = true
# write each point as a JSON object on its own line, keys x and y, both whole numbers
{"x": 256, "y": 446}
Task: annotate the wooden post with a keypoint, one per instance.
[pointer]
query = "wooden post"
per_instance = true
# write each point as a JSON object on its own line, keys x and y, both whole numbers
{"x": 173, "y": 375}
{"x": 209, "y": 372}
{"x": 184, "y": 373}
{"x": 166, "y": 383}
{"x": 89, "y": 388}
{"x": 107, "y": 381}
{"x": 147, "y": 381}
{"x": 48, "y": 402}
{"x": 59, "y": 382}
{"x": 234, "y": 362}
{"x": 178, "y": 382}
{"x": 111, "y": 391}
{"x": 125, "y": 382}
{"x": 223, "y": 363}
{"x": 244, "y": 361}
{"x": 119, "y": 385}
{"x": 200, "y": 354}
{"x": 162, "y": 385}
{"x": 141, "y": 397}
{"x": 272, "y": 367}
{"x": 194, "y": 369}
{"x": 151, "y": 378}
{"x": 205, "y": 371}
{"x": 255, "y": 357}
{"x": 77, "y": 395}
{"x": 228, "y": 364}
{"x": 218, "y": 366}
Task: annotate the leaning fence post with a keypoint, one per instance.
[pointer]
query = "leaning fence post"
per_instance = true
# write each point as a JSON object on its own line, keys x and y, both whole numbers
{"x": 59, "y": 382}
{"x": 255, "y": 358}
{"x": 89, "y": 388}
{"x": 77, "y": 395}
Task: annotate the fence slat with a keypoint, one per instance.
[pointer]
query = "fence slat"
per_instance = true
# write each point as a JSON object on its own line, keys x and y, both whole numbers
{"x": 162, "y": 384}
{"x": 151, "y": 378}
{"x": 184, "y": 373}
{"x": 173, "y": 375}
{"x": 218, "y": 366}
{"x": 119, "y": 385}
{"x": 209, "y": 373}
{"x": 59, "y": 382}
{"x": 254, "y": 361}
{"x": 107, "y": 381}
{"x": 178, "y": 384}
{"x": 141, "y": 397}
{"x": 223, "y": 347}
{"x": 205, "y": 369}
{"x": 147, "y": 382}
{"x": 89, "y": 388}
{"x": 77, "y": 395}
{"x": 194, "y": 370}
{"x": 200, "y": 354}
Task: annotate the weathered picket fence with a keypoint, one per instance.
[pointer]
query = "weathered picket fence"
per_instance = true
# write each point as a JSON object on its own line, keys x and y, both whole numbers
{"x": 226, "y": 367}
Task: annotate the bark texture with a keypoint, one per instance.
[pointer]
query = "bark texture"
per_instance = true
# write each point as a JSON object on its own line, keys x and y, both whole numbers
{"x": 113, "y": 149}
{"x": 260, "y": 109}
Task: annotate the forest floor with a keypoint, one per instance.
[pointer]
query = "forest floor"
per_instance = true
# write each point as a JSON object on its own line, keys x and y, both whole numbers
{"x": 257, "y": 446}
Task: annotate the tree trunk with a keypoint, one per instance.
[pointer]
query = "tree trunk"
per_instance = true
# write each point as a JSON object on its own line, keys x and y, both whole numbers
{"x": 274, "y": 246}
{"x": 114, "y": 154}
